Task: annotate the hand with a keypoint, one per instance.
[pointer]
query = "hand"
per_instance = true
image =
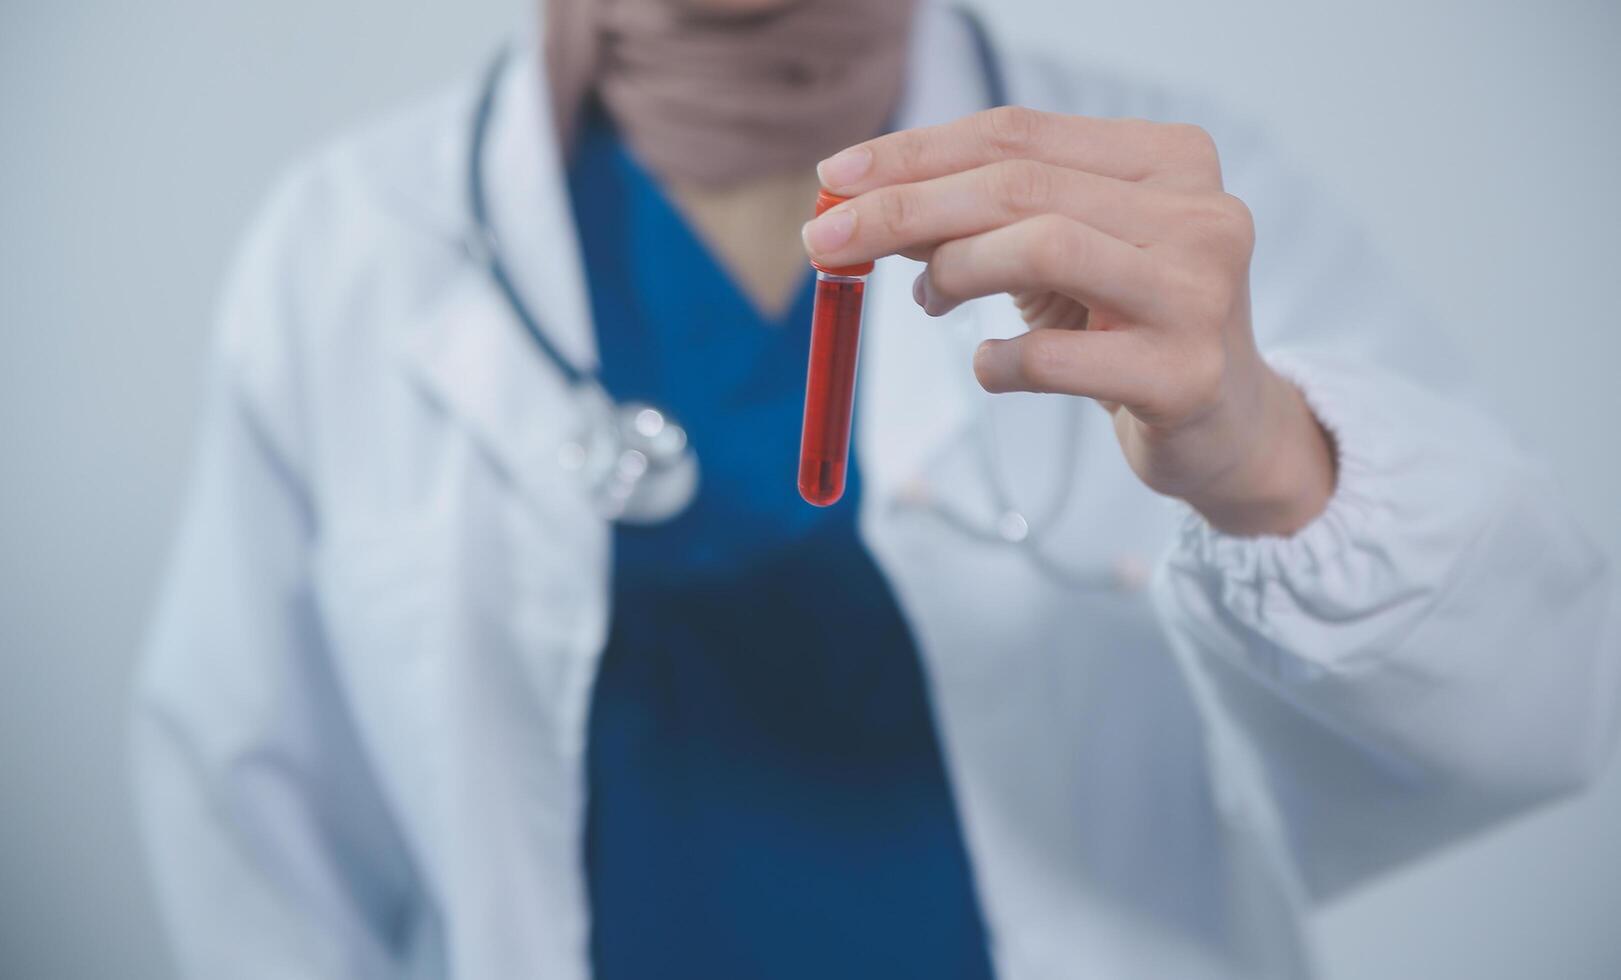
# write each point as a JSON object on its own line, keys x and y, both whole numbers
{"x": 1130, "y": 265}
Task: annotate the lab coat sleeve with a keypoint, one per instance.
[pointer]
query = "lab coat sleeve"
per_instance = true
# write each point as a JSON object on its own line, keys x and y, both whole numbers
{"x": 272, "y": 850}
{"x": 1437, "y": 650}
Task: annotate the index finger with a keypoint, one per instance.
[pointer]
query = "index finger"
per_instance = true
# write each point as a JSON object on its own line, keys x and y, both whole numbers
{"x": 1126, "y": 149}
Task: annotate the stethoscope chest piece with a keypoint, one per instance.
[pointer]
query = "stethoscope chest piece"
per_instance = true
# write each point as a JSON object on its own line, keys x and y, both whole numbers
{"x": 633, "y": 458}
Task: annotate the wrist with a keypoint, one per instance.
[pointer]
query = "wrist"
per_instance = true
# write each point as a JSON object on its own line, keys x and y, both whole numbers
{"x": 1284, "y": 473}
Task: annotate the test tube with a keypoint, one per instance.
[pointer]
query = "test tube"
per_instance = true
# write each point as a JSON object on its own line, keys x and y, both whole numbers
{"x": 830, "y": 380}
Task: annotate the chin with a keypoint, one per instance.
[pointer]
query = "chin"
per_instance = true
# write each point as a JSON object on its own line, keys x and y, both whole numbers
{"x": 737, "y": 6}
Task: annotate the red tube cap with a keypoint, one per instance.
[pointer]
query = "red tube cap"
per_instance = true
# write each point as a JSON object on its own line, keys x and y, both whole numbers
{"x": 826, "y": 199}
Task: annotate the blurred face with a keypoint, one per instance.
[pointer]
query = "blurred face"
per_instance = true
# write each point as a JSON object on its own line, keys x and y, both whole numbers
{"x": 737, "y": 6}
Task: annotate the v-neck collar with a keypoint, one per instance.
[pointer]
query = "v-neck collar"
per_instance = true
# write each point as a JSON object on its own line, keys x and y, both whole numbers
{"x": 600, "y": 145}
{"x": 660, "y": 298}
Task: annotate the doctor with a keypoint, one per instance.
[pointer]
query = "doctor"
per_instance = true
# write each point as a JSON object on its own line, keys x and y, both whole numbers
{"x": 414, "y": 705}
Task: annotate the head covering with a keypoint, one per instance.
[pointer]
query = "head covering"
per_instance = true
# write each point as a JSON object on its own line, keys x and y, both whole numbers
{"x": 713, "y": 96}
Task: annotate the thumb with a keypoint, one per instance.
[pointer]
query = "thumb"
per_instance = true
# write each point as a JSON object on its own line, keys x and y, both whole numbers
{"x": 1110, "y": 366}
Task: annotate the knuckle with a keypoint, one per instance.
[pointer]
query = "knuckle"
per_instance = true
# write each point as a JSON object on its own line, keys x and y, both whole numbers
{"x": 1150, "y": 135}
{"x": 897, "y": 211}
{"x": 1040, "y": 360}
{"x": 1240, "y": 221}
{"x": 1193, "y": 143}
{"x": 946, "y": 272}
{"x": 1206, "y": 299}
{"x": 1024, "y": 186}
{"x": 1223, "y": 220}
{"x": 1054, "y": 248}
{"x": 1008, "y": 130}
{"x": 911, "y": 152}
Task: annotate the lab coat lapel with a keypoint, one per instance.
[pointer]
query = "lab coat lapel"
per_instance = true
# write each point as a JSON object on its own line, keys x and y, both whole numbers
{"x": 473, "y": 357}
{"x": 917, "y": 390}
{"x": 471, "y": 351}
{"x": 512, "y": 760}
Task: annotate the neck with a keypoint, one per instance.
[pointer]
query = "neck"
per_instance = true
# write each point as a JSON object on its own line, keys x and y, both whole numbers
{"x": 753, "y": 229}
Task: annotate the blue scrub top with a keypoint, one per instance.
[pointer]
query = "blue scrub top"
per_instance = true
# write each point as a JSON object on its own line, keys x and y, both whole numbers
{"x": 767, "y": 797}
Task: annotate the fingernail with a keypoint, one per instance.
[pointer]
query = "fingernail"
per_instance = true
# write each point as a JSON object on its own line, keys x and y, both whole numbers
{"x": 845, "y": 167}
{"x": 985, "y": 364}
{"x": 918, "y": 295}
{"x": 831, "y": 231}
{"x": 931, "y": 303}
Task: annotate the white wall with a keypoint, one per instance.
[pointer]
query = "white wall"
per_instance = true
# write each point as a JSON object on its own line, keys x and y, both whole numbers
{"x": 1478, "y": 141}
{"x": 136, "y": 140}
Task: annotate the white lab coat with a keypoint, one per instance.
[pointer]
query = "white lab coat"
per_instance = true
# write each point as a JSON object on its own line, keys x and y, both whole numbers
{"x": 361, "y": 717}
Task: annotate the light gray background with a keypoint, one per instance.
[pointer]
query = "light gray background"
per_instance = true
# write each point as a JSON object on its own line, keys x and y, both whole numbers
{"x": 1479, "y": 141}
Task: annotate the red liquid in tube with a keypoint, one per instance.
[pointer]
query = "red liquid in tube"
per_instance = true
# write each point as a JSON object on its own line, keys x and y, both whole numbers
{"x": 830, "y": 381}
{"x": 830, "y": 387}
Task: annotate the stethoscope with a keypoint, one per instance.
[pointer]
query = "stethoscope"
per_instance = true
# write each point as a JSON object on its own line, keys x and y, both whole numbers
{"x": 635, "y": 458}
